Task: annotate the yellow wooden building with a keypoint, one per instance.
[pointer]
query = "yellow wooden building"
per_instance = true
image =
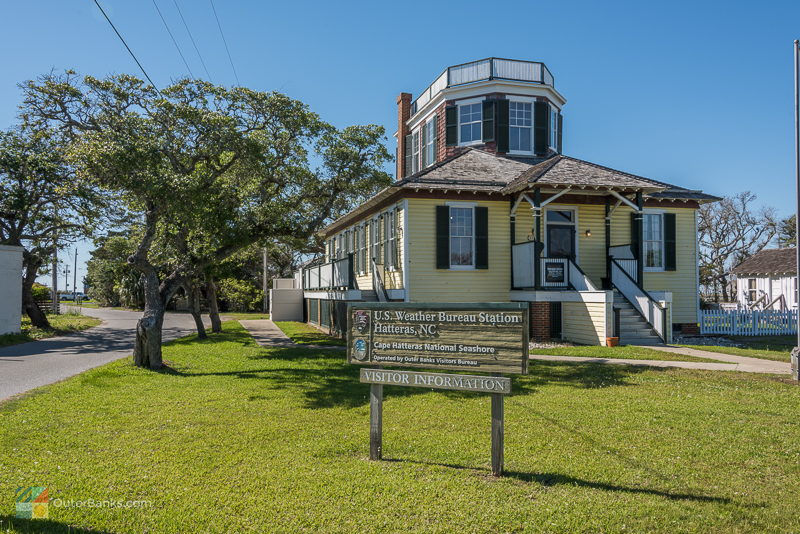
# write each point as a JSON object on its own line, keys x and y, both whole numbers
{"x": 486, "y": 208}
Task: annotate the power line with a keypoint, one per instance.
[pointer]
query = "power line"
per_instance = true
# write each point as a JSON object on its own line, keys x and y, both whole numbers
{"x": 224, "y": 42}
{"x": 191, "y": 38}
{"x": 126, "y": 45}
{"x": 178, "y": 48}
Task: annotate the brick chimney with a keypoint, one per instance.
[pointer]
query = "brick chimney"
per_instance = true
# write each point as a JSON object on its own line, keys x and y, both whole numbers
{"x": 403, "y": 114}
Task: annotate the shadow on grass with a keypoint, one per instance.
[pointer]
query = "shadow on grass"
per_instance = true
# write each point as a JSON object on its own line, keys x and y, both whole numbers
{"x": 558, "y": 479}
{"x": 15, "y": 524}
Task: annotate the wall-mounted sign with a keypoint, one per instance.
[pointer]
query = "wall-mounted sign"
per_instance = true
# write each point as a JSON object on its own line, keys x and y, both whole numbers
{"x": 486, "y": 338}
{"x": 555, "y": 273}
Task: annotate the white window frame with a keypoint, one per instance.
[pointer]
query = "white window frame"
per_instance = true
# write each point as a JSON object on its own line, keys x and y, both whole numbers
{"x": 375, "y": 244}
{"x": 430, "y": 144}
{"x": 362, "y": 248}
{"x": 519, "y": 100}
{"x": 660, "y": 213}
{"x": 469, "y": 102}
{"x": 390, "y": 241}
{"x": 575, "y": 223}
{"x": 415, "y": 151}
{"x": 470, "y": 205}
{"x": 553, "y": 128}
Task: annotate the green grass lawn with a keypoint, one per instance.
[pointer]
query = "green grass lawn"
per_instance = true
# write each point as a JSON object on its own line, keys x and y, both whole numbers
{"x": 303, "y": 333}
{"x": 777, "y": 348}
{"x": 244, "y": 315}
{"x": 239, "y": 438}
{"x": 61, "y": 324}
{"x": 624, "y": 352}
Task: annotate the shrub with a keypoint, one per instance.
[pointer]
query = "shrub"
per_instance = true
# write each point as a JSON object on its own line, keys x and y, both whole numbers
{"x": 239, "y": 295}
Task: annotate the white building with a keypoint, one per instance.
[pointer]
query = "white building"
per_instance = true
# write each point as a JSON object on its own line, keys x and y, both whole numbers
{"x": 10, "y": 289}
{"x": 767, "y": 280}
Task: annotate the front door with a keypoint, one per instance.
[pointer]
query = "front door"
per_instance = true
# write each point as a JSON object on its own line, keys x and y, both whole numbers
{"x": 560, "y": 230}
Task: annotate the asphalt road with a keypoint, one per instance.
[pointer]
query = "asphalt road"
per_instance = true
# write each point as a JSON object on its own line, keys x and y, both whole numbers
{"x": 30, "y": 365}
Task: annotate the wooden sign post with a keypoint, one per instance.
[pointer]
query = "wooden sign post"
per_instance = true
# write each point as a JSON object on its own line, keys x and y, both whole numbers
{"x": 490, "y": 338}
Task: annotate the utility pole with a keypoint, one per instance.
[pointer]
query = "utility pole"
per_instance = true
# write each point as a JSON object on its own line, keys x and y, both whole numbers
{"x": 264, "y": 278}
{"x": 796, "y": 350}
{"x": 75, "y": 277}
{"x": 66, "y": 276}
{"x": 54, "y": 297}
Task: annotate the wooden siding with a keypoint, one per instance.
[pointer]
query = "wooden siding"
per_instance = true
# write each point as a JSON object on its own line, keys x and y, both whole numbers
{"x": 429, "y": 284}
{"x": 585, "y": 322}
{"x": 394, "y": 278}
{"x": 591, "y": 250}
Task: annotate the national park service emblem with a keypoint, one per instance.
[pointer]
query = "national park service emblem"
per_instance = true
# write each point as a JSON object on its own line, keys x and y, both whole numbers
{"x": 361, "y": 321}
{"x": 360, "y": 350}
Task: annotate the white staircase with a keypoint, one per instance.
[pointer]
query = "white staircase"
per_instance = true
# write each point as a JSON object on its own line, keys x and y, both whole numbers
{"x": 633, "y": 328}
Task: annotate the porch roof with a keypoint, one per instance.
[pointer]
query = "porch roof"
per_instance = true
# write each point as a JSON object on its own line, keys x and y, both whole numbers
{"x": 775, "y": 261}
{"x": 560, "y": 171}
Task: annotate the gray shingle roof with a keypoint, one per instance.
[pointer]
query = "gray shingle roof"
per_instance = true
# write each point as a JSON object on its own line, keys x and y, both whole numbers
{"x": 471, "y": 169}
{"x": 563, "y": 170}
{"x": 771, "y": 261}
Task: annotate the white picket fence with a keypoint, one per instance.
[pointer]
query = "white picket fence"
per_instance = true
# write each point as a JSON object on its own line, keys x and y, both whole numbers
{"x": 748, "y": 323}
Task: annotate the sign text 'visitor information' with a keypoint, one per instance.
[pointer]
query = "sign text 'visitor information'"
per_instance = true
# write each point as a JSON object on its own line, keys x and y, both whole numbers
{"x": 487, "y": 338}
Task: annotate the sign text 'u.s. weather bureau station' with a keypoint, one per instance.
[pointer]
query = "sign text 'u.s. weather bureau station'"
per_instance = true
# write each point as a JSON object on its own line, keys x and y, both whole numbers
{"x": 487, "y": 338}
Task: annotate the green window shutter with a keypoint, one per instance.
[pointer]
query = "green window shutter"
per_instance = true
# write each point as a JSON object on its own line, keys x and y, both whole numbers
{"x": 541, "y": 120}
{"x": 435, "y": 126}
{"x": 502, "y": 126}
{"x": 560, "y": 131}
{"x": 408, "y": 155}
{"x": 451, "y": 125}
{"x": 423, "y": 134}
{"x": 488, "y": 120}
{"x": 481, "y": 237}
{"x": 442, "y": 237}
{"x": 670, "y": 251}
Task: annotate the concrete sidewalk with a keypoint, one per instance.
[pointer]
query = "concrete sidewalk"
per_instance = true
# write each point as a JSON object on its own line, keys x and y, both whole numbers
{"x": 748, "y": 365}
{"x": 267, "y": 334}
{"x": 38, "y": 363}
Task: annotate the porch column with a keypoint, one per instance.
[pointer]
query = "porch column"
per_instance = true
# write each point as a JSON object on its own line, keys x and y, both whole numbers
{"x": 512, "y": 223}
{"x": 537, "y": 248}
{"x": 607, "y": 284}
{"x": 639, "y": 227}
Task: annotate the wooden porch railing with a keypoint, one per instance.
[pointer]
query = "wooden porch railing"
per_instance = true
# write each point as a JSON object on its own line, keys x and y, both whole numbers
{"x": 646, "y": 305}
{"x": 337, "y": 274}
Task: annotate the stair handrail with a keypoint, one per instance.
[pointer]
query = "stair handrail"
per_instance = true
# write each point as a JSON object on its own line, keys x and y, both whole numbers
{"x": 377, "y": 282}
{"x": 642, "y": 301}
{"x": 583, "y": 277}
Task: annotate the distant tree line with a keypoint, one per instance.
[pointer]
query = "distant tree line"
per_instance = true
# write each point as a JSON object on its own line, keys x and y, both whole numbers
{"x": 179, "y": 187}
{"x": 732, "y": 230}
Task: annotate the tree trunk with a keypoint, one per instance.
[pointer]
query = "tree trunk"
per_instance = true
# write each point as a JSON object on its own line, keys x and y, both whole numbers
{"x": 38, "y": 319}
{"x": 213, "y": 307}
{"x": 193, "y": 295}
{"x": 724, "y": 284}
{"x": 147, "y": 352}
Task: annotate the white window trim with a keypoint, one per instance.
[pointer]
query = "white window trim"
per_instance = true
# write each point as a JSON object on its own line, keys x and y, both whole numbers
{"x": 554, "y": 111}
{"x": 524, "y": 100}
{"x": 430, "y": 149}
{"x": 416, "y": 151}
{"x": 563, "y": 207}
{"x": 471, "y": 205}
{"x": 391, "y": 214}
{"x": 468, "y": 102}
{"x": 663, "y": 248}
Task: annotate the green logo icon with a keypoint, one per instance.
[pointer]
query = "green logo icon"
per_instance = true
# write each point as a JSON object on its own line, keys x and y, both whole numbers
{"x": 32, "y": 502}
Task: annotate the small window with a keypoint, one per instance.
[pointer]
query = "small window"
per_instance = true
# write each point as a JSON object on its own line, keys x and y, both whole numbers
{"x": 462, "y": 231}
{"x": 752, "y": 290}
{"x": 560, "y": 216}
{"x": 430, "y": 143}
{"x": 520, "y": 126}
{"x": 653, "y": 241}
{"x": 362, "y": 248}
{"x": 415, "y": 152}
{"x": 374, "y": 237}
{"x": 553, "y": 128}
{"x": 390, "y": 231}
{"x": 470, "y": 120}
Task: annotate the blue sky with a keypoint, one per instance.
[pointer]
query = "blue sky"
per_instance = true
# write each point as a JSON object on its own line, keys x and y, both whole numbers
{"x": 694, "y": 93}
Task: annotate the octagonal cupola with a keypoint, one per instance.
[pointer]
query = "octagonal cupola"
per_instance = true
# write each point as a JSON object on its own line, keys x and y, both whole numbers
{"x": 504, "y": 106}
